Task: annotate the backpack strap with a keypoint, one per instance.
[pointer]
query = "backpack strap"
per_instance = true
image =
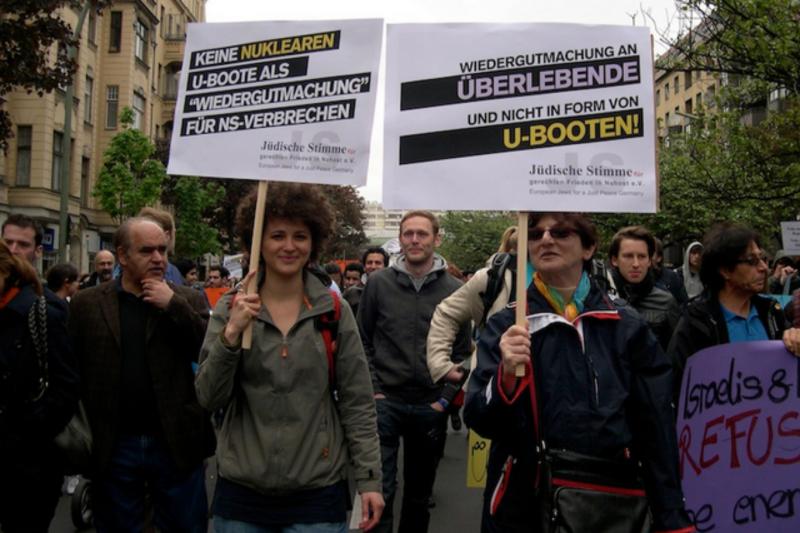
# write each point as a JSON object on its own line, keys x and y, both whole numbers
{"x": 328, "y": 325}
{"x": 494, "y": 283}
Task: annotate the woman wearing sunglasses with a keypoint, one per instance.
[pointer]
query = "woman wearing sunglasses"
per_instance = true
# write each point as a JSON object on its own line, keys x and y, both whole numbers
{"x": 734, "y": 271}
{"x": 596, "y": 389}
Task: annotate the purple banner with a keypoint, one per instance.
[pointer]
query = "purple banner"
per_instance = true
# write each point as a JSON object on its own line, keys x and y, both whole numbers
{"x": 739, "y": 438}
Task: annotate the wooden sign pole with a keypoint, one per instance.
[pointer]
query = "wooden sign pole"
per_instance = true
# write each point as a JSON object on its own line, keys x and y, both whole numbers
{"x": 255, "y": 254}
{"x": 522, "y": 277}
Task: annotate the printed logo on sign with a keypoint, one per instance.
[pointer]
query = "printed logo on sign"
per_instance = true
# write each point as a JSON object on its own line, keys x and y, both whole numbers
{"x": 323, "y": 153}
{"x": 310, "y": 148}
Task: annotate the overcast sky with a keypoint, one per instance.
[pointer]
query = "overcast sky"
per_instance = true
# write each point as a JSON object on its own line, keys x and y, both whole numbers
{"x": 395, "y": 11}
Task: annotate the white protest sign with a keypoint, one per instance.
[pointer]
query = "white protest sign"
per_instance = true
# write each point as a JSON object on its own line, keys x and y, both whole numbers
{"x": 523, "y": 117}
{"x": 285, "y": 101}
{"x": 790, "y": 233}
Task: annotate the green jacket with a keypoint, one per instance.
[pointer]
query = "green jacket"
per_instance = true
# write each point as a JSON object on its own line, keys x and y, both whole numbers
{"x": 282, "y": 430}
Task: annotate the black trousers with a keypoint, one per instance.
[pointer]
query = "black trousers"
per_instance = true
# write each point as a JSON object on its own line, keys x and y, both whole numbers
{"x": 423, "y": 430}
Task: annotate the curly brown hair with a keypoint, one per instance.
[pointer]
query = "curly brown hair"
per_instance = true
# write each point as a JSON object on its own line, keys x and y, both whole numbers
{"x": 295, "y": 201}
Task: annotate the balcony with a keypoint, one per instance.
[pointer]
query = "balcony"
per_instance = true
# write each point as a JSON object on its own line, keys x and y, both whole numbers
{"x": 173, "y": 50}
{"x": 167, "y": 111}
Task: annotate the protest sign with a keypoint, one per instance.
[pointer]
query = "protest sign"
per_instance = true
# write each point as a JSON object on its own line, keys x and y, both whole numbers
{"x": 287, "y": 101}
{"x": 522, "y": 117}
{"x": 739, "y": 438}
{"x": 790, "y": 231}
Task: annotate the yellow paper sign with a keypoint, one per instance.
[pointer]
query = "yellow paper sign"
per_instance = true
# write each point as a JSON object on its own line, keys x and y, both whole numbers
{"x": 477, "y": 457}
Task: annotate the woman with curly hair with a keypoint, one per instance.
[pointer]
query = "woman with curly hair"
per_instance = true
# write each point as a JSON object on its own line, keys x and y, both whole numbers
{"x": 38, "y": 395}
{"x": 292, "y": 422}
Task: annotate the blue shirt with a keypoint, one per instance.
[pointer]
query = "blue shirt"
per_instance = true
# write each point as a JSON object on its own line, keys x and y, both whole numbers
{"x": 742, "y": 329}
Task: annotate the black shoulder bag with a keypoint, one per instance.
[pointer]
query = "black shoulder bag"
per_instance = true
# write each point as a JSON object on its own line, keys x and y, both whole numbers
{"x": 579, "y": 493}
{"x": 75, "y": 440}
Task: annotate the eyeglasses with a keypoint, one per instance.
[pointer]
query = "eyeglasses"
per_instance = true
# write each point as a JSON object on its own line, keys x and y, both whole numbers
{"x": 753, "y": 260}
{"x": 558, "y": 232}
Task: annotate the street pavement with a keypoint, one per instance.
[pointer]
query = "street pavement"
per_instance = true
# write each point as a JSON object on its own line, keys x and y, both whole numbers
{"x": 458, "y": 509}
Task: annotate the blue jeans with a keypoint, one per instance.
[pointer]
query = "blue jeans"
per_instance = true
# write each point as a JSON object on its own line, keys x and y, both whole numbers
{"x": 141, "y": 468}
{"x": 223, "y": 525}
{"x": 423, "y": 431}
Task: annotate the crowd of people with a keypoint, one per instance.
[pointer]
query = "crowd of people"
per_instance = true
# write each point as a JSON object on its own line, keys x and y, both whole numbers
{"x": 306, "y": 386}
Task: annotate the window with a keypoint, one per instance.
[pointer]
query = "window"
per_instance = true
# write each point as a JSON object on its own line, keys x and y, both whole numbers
{"x": 112, "y": 104}
{"x": 658, "y": 96}
{"x": 85, "y": 181}
{"x": 92, "y": 28}
{"x": 687, "y": 80}
{"x": 58, "y": 154}
{"x": 675, "y": 84}
{"x": 140, "y": 41}
{"x": 688, "y": 106}
{"x": 24, "y": 138}
{"x": 88, "y": 93}
{"x": 666, "y": 91}
{"x": 138, "y": 111}
{"x": 115, "y": 39}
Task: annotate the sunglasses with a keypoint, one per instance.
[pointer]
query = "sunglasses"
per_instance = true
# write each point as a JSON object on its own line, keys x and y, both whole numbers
{"x": 753, "y": 260}
{"x": 557, "y": 233}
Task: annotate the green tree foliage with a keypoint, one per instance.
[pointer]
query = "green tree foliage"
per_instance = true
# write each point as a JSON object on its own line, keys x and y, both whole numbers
{"x": 722, "y": 168}
{"x": 194, "y": 200}
{"x": 33, "y": 50}
{"x": 348, "y": 237}
{"x": 756, "y": 39}
{"x": 729, "y": 164}
{"x": 471, "y": 237}
{"x": 346, "y": 242}
{"x": 131, "y": 176}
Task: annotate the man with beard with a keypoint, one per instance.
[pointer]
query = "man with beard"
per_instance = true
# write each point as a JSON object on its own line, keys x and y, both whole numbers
{"x": 103, "y": 269}
{"x": 632, "y": 279}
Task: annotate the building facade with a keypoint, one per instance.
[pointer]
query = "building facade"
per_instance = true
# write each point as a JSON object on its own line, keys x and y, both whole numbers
{"x": 680, "y": 96}
{"x": 130, "y": 55}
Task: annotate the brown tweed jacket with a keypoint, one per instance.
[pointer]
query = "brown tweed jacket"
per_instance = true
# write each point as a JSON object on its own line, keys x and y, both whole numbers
{"x": 174, "y": 337}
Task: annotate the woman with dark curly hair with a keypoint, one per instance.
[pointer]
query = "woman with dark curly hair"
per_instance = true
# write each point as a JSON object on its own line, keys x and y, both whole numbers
{"x": 38, "y": 395}
{"x": 292, "y": 421}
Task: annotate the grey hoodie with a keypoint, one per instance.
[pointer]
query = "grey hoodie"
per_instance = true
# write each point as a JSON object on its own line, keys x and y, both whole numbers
{"x": 394, "y": 317}
{"x": 691, "y": 281}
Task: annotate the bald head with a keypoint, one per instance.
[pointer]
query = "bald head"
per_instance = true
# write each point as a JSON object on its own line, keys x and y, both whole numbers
{"x": 104, "y": 265}
{"x": 142, "y": 251}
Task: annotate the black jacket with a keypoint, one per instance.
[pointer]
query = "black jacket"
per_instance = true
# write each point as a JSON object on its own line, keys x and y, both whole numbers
{"x": 173, "y": 339}
{"x": 657, "y": 306}
{"x": 91, "y": 281}
{"x": 669, "y": 280}
{"x": 703, "y": 325}
{"x": 27, "y": 428}
{"x": 612, "y": 396}
{"x": 394, "y": 319}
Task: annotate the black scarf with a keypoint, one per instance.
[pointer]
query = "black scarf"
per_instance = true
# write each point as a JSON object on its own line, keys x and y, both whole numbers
{"x": 633, "y": 292}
